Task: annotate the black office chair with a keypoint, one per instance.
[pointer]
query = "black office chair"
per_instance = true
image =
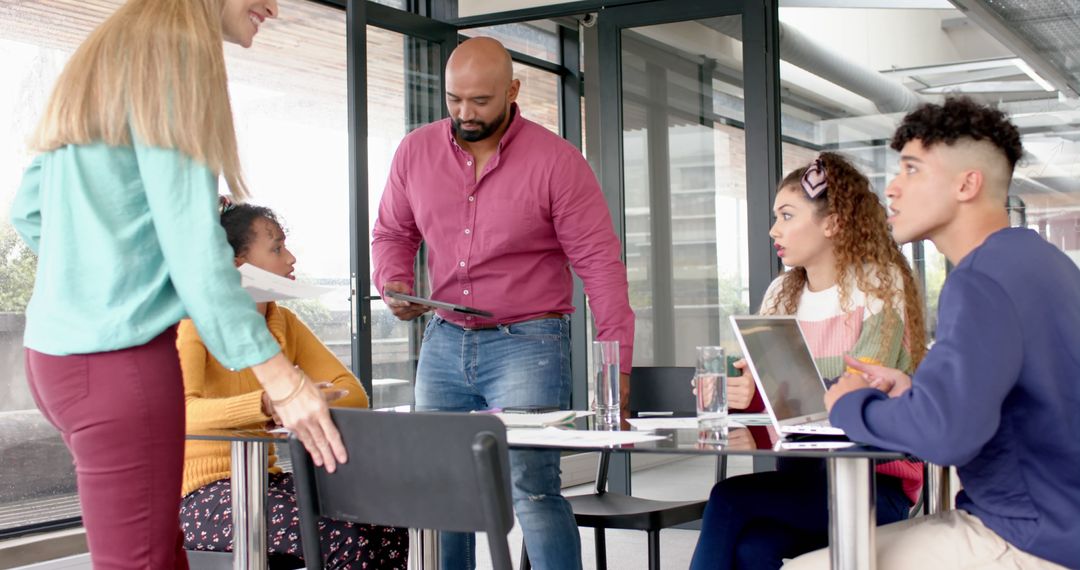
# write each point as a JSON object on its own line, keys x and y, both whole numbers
{"x": 667, "y": 389}
{"x": 429, "y": 470}
{"x": 651, "y": 389}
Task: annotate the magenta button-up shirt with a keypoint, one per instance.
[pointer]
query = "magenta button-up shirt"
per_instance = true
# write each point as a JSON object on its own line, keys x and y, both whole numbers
{"x": 504, "y": 242}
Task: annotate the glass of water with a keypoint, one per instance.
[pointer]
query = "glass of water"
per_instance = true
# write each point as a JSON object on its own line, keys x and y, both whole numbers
{"x": 710, "y": 377}
{"x": 606, "y": 387}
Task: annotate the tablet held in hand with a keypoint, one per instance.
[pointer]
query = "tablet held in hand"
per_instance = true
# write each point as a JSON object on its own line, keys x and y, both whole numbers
{"x": 438, "y": 304}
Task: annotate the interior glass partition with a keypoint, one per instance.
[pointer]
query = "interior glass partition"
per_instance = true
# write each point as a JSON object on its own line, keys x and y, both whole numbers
{"x": 397, "y": 65}
{"x": 850, "y": 74}
{"x": 684, "y": 162}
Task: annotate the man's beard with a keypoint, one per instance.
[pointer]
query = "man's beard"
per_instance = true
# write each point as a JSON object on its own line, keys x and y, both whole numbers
{"x": 485, "y": 130}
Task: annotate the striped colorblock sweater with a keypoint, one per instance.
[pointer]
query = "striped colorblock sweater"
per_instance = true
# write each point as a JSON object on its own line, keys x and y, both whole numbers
{"x": 860, "y": 327}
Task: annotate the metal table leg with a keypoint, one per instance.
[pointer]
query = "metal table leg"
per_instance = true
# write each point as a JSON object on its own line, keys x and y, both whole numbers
{"x": 852, "y": 513}
{"x": 939, "y": 497}
{"x": 423, "y": 549}
{"x": 249, "y": 479}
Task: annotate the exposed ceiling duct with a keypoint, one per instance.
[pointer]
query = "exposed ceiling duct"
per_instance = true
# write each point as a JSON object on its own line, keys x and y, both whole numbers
{"x": 1042, "y": 32}
{"x": 888, "y": 95}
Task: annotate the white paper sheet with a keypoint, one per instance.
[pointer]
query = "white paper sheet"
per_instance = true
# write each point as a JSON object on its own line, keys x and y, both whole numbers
{"x": 264, "y": 286}
{"x": 556, "y": 437}
{"x": 557, "y": 418}
{"x": 647, "y": 424}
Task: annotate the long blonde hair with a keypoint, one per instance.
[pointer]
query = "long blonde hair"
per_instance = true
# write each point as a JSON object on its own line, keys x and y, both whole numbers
{"x": 155, "y": 68}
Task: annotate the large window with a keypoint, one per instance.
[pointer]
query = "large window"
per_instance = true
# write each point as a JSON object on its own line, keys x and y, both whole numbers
{"x": 289, "y": 98}
{"x": 391, "y": 115}
{"x": 37, "y": 480}
{"x": 849, "y": 76}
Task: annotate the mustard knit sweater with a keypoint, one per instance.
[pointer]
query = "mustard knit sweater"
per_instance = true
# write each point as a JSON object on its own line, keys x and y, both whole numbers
{"x": 218, "y": 398}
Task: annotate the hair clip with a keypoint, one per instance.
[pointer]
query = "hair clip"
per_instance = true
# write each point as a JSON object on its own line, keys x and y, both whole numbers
{"x": 225, "y": 205}
{"x": 814, "y": 182}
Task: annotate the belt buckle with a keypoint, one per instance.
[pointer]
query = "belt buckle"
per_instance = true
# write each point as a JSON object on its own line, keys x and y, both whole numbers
{"x": 481, "y": 327}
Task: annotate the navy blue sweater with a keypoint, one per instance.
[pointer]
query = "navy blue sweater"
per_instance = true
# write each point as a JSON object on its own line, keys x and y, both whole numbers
{"x": 998, "y": 395}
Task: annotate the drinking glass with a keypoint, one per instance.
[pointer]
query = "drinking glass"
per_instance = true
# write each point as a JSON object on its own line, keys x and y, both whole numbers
{"x": 710, "y": 377}
{"x": 606, "y": 387}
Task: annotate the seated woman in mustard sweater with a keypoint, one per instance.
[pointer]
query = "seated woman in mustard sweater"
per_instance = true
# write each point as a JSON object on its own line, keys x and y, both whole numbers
{"x": 218, "y": 398}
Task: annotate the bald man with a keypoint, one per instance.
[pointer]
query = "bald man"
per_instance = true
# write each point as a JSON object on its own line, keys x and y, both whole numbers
{"x": 998, "y": 394}
{"x": 505, "y": 208}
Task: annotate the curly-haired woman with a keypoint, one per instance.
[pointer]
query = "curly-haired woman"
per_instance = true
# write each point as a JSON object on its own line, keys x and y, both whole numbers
{"x": 853, "y": 294}
{"x": 219, "y": 398}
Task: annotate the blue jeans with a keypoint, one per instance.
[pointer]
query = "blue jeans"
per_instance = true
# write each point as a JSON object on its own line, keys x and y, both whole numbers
{"x": 523, "y": 364}
{"x": 755, "y": 521}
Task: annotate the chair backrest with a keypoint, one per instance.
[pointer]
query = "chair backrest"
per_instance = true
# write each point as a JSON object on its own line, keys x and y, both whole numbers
{"x": 662, "y": 389}
{"x": 430, "y": 470}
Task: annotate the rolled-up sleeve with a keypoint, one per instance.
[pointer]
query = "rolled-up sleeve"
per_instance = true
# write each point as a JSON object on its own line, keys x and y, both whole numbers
{"x": 182, "y": 195}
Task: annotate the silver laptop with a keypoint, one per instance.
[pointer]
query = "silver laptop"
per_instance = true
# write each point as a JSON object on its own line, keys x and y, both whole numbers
{"x": 785, "y": 372}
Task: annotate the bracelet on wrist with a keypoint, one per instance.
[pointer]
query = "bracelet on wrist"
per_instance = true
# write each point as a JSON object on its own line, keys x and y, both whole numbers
{"x": 292, "y": 395}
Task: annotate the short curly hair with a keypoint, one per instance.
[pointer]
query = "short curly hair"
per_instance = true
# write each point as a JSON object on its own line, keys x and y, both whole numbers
{"x": 957, "y": 118}
{"x": 239, "y": 224}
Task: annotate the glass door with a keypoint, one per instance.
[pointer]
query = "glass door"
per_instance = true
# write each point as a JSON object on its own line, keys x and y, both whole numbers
{"x": 396, "y": 78}
{"x": 687, "y": 176}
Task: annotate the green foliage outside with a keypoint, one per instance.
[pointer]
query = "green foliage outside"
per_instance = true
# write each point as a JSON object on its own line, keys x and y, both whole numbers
{"x": 17, "y": 267}
{"x": 314, "y": 314}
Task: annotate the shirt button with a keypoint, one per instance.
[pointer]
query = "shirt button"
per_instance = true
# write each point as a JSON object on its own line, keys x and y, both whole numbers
{"x": 461, "y": 263}
{"x": 472, "y": 198}
{"x": 468, "y": 163}
{"x": 467, "y": 232}
{"x": 465, "y": 292}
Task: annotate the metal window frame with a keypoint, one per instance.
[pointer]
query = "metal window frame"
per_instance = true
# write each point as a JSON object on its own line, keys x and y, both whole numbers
{"x": 360, "y": 14}
{"x": 761, "y": 82}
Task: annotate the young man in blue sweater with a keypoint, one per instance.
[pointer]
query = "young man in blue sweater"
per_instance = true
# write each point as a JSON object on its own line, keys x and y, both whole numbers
{"x": 998, "y": 395}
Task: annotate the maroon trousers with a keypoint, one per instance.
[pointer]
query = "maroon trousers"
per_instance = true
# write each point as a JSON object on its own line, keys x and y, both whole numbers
{"x": 121, "y": 415}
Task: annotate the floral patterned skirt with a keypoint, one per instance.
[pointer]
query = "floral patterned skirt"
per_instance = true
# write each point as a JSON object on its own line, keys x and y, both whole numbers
{"x": 206, "y": 520}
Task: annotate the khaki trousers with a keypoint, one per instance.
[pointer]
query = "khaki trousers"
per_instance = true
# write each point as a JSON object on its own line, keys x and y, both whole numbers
{"x": 953, "y": 539}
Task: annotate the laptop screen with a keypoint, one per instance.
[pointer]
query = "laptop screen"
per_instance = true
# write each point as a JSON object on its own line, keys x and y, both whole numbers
{"x": 785, "y": 368}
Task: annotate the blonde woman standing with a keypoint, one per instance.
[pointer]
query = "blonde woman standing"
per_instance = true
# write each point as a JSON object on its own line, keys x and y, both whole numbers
{"x": 121, "y": 208}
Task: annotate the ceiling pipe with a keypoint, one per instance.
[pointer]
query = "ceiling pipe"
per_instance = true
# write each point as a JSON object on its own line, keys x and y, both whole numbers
{"x": 888, "y": 95}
